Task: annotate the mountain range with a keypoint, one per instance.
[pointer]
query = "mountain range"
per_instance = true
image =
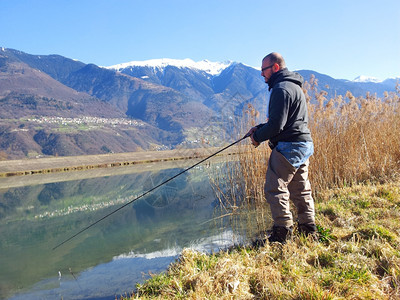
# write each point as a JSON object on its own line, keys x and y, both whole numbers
{"x": 53, "y": 105}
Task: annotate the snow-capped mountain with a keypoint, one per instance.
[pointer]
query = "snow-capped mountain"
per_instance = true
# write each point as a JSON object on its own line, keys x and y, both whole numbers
{"x": 212, "y": 68}
{"x": 363, "y": 78}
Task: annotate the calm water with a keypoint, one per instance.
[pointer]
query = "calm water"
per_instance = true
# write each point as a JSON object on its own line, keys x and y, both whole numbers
{"x": 38, "y": 213}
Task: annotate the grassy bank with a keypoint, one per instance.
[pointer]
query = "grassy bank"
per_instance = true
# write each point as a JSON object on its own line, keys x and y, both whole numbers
{"x": 357, "y": 257}
{"x": 355, "y": 175}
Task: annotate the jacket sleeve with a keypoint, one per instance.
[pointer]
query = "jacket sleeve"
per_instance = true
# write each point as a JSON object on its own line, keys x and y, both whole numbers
{"x": 278, "y": 114}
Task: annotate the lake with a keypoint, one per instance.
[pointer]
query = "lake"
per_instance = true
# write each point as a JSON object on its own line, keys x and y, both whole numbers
{"x": 37, "y": 212}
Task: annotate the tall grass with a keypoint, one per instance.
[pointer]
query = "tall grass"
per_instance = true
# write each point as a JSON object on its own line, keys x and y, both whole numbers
{"x": 239, "y": 185}
{"x": 357, "y": 139}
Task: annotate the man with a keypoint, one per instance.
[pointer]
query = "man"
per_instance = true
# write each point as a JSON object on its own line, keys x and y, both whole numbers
{"x": 291, "y": 143}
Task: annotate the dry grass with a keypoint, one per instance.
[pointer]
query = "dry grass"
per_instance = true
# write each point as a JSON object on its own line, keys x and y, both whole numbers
{"x": 356, "y": 139}
{"x": 355, "y": 176}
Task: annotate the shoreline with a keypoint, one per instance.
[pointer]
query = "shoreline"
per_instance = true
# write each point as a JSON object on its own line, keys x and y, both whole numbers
{"x": 22, "y": 167}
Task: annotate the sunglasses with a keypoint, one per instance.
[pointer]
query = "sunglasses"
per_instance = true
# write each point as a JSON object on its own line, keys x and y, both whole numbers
{"x": 266, "y": 68}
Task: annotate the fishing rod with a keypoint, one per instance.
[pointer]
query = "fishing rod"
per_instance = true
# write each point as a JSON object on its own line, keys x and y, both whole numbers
{"x": 149, "y": 191}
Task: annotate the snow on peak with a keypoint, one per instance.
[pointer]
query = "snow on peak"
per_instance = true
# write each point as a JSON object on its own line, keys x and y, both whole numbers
{"x": 363, "y": 78}
{"x": 213, "y": 68}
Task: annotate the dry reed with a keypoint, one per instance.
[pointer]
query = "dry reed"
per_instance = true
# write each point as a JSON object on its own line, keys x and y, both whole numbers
{"x": 239, "y": 186}
{"x": 356, "y": 139}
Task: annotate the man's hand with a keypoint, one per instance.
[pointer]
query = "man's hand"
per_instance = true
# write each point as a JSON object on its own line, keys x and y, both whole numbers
{"x": 251, "y": 134}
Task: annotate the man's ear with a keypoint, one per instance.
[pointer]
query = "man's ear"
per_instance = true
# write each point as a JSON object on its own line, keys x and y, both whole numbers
{"x": 276, "y": 67}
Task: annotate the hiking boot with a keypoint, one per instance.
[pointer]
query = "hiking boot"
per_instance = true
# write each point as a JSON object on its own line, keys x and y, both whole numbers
{"x": 280, "y": 234}
{"x": 309, "y": 229}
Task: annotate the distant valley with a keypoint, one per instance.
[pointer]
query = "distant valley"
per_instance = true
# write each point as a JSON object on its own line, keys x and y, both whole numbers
{"x": 55, "y": 106}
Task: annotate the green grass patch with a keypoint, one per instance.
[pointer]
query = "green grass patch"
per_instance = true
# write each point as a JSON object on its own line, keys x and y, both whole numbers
{"x": 376, "y": 231}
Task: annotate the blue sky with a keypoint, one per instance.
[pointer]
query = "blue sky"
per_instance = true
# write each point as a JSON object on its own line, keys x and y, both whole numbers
{"x": 341, "y": 38}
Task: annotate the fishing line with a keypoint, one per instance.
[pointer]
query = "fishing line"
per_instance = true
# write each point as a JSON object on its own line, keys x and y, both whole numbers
{"x": 149, "y": 191}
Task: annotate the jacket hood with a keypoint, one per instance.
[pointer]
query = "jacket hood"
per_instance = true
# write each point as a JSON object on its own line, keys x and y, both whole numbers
{"x": 285, "y": 75}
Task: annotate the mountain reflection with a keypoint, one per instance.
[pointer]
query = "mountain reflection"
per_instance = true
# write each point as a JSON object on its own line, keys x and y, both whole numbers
{"x": 35, "y": 218}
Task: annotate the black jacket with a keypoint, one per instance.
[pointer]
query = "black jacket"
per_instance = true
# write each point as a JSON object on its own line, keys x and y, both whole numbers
{"x": 287, "y": 109}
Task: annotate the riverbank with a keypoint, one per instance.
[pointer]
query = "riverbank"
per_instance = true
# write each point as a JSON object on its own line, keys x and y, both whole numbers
{"x": 10, "y": 168}
{"x": 356, "y": 257}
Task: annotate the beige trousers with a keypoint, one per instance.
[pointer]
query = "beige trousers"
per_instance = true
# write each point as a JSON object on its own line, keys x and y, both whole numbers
{"x": 284, "y": 182}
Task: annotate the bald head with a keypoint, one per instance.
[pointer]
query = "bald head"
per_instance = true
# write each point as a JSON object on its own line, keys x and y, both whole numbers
{"x": 275, "y": 58}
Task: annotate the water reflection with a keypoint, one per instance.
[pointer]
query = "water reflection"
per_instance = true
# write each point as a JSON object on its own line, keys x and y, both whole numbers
{"x": 35, "y": 218}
